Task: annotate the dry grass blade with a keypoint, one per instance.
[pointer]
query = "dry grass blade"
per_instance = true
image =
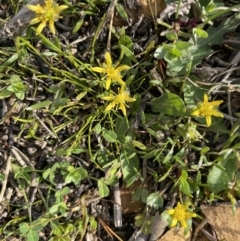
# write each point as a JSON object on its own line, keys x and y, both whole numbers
{"x": 4, "y": 183}
{"x": 109, "y": 230}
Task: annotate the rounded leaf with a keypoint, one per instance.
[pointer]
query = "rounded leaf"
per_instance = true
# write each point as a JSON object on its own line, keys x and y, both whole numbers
{"x": 170, "y": 104}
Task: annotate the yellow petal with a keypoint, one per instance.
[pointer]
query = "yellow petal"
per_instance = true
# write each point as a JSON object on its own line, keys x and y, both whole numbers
{"x": 128, "y": 99}
{"x": 40, "y": 27}
{"x": 98, "y": 69}
{"x": 190, "y": 215}
{"x": 48, "y": 3}
{"x": 174, "y": 222}
{"x": 35, "y": 20}
{"x": 108, "y": 83}
{"x": 51, "y": 27}
{"x": 217, "y": 113}
{"x": 123, "y": 109}
{"x": 183, "y": 223}
{"x": 108, "y": 59}
{"x": 208, "y": 120}
{"x": 60, "y": 8}
{"x": 108, "y": 98}
{"x": 205, "y": 98}
{"x": 122, "y": 67}
{"x": 36, "y": 8}
{"x": 118, "y": 79}
{"x": 196, "y": 113}
{"x": 110, "y": 106}
{"x": 216, "y": 102}
{"x": 171, "y": 211}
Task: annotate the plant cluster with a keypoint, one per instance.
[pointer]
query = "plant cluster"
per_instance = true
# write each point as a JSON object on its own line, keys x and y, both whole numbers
{"x": 168, "y": 133}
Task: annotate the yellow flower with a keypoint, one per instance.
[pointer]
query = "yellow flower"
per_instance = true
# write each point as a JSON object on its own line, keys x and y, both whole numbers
{"x": 113, "y": 74}
{"x": 48, "y": 13}
{"x": 180, "y": 214}
{"x": 207, "y": 109}
{"x": 119, "y": 100}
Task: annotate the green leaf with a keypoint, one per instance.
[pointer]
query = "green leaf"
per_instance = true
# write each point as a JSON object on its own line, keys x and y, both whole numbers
{"x": 140, "y": 194}
{"x": 81, "y": 95}
{"x": 111, "y": 175}
{"x": 218, "y": 178}
{"x": 139, "y": 145}
{"x": 5, "y": 93}
{"x": 202, "y": 47}
{"x": 121, "y": 11}
{"x": 126, "y": 42}
{"x": 60, "y": 194}
{"x": 200, "y": 33}
{"x": 24, "y": 227}
{"x": 183, "y": 184}
{"x": 20, "y": 96}
{"x": 49, "y": 44}
{"x": 155, "y": 200}
{"x": 169, "y": 155}
{"x": 175, "y": 65}
{"x": 38, "y": 224}
{"x": 32, "y": 235}
{"x": 121, "y": 128}
{"x": 169, "y": 104}
{"x": 78, "y": 25}
{"x": 126, "y": 51}
{"x": 76, "y": 175}
{"x": 181, "y": 45}
{"x": 56, "y": 227}
{"x": 184, "y": 187}
{"x": 192, "y": 93}
{"x": 93, "y": 224}
{"x": 39, "y": 105}
{"x": 205, "y": 150}
{"x": 69, "y": 228}
{"x": 109, "y": 135}
{"x": 57, "y": 42}
{"x": 102, "y": 188}
{"x": 139, "y": 220}
{"x": 60, "y": 102}
{"x": 9, "y": 61}
{"x": 130, "y": 164}
{"x": 59, "y": 207}
{"x": 165, "y": 175}
{"x": 98, "y": 128}
{"x": 160, "y": 53}
{"x": 172, "y": 54}
{"x": 151, "y": 154}
{"x": 171, "y": 35}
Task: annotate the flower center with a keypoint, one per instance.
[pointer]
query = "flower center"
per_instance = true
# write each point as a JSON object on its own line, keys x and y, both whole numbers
{"x": 120, "y": 98}
{"x": 206, "y": 109}
{"x": 50, "y": 14}
{"x": 110, "y": 72}
{"x": 179, "y": 213}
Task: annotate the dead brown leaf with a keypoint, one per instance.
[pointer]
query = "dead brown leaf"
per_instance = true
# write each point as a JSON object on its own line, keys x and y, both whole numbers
{"x": 130, "y": 206}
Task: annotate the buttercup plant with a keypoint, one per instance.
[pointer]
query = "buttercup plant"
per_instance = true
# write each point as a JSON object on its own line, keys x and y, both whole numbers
{"x": 125, "y": 121}
{"x": 47, "y": 13}
{"x": 207, "y": 109}
{"x": 118, "y": 100}
{"x": 180, "y": 214}
{"x": 112, "y": 73}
